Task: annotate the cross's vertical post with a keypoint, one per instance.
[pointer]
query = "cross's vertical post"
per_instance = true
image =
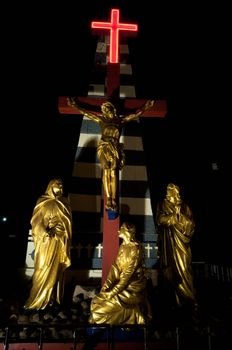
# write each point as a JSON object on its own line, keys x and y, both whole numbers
{"x": 110, "y": 227}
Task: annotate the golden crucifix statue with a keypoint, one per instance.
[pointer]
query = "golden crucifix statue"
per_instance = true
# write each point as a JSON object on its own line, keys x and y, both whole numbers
{"x": 110, "y": 150}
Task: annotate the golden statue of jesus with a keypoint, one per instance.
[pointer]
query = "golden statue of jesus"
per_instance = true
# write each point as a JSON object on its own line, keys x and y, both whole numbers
{"x": 110, "y": 150}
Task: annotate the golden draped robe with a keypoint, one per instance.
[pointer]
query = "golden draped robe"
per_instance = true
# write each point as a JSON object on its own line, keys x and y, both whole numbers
{"x": 122, "y": 299}
{"x": 51, "y": 229}
{"x": 175, "y": 258}
{"x": 110, "y": 150}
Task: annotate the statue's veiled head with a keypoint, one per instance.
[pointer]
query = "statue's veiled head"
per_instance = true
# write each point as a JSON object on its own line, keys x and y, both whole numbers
{"x": 55, "y": 188}
{"x": 173, "y": 193}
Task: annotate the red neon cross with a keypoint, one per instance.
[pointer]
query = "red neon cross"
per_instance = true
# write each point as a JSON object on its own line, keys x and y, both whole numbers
{"x": 114, "y": 26}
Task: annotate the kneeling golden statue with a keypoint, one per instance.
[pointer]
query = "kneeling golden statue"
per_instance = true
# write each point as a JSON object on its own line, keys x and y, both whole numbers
{"x": 122, "y": 299}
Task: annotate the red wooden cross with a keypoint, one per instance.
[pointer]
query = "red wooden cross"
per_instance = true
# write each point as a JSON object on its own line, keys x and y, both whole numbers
{"x": 111, "y": 227}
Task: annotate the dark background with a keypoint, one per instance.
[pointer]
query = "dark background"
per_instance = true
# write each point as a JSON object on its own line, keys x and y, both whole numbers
{"x": 180, "y": 54}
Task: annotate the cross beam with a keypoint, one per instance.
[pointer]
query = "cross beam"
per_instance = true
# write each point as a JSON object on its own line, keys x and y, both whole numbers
{"x": 159, "y": 109}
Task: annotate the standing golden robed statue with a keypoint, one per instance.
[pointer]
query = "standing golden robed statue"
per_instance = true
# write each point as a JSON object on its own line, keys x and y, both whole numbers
{"x": 110, "y": 150}
{"x": 52, "y": 231}
{"x": 175, "y": 228}
{"x": 123, "y": 297}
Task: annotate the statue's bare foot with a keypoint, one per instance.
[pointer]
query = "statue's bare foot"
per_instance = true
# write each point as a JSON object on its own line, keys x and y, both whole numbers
{"x": 111, "y": 205}
{"x": 108, "y": 204}
{"x": 114, "y": 205}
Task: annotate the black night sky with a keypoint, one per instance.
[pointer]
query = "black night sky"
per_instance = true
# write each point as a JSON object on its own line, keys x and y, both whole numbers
{"x": 179, "y": 54}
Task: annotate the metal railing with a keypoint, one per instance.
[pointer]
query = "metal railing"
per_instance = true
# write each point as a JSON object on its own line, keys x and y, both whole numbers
{"x": 86, "y": 336}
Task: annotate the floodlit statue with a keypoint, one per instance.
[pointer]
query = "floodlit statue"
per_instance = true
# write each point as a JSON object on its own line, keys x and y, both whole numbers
{"x": 110, "y": 150}
{"x": 175, "y": 228}
{"x": 122, "y": 298}
{"x": 52, "y": 230}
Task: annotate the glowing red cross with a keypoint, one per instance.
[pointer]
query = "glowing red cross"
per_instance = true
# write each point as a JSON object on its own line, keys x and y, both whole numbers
{"x": 114, "y": 26}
